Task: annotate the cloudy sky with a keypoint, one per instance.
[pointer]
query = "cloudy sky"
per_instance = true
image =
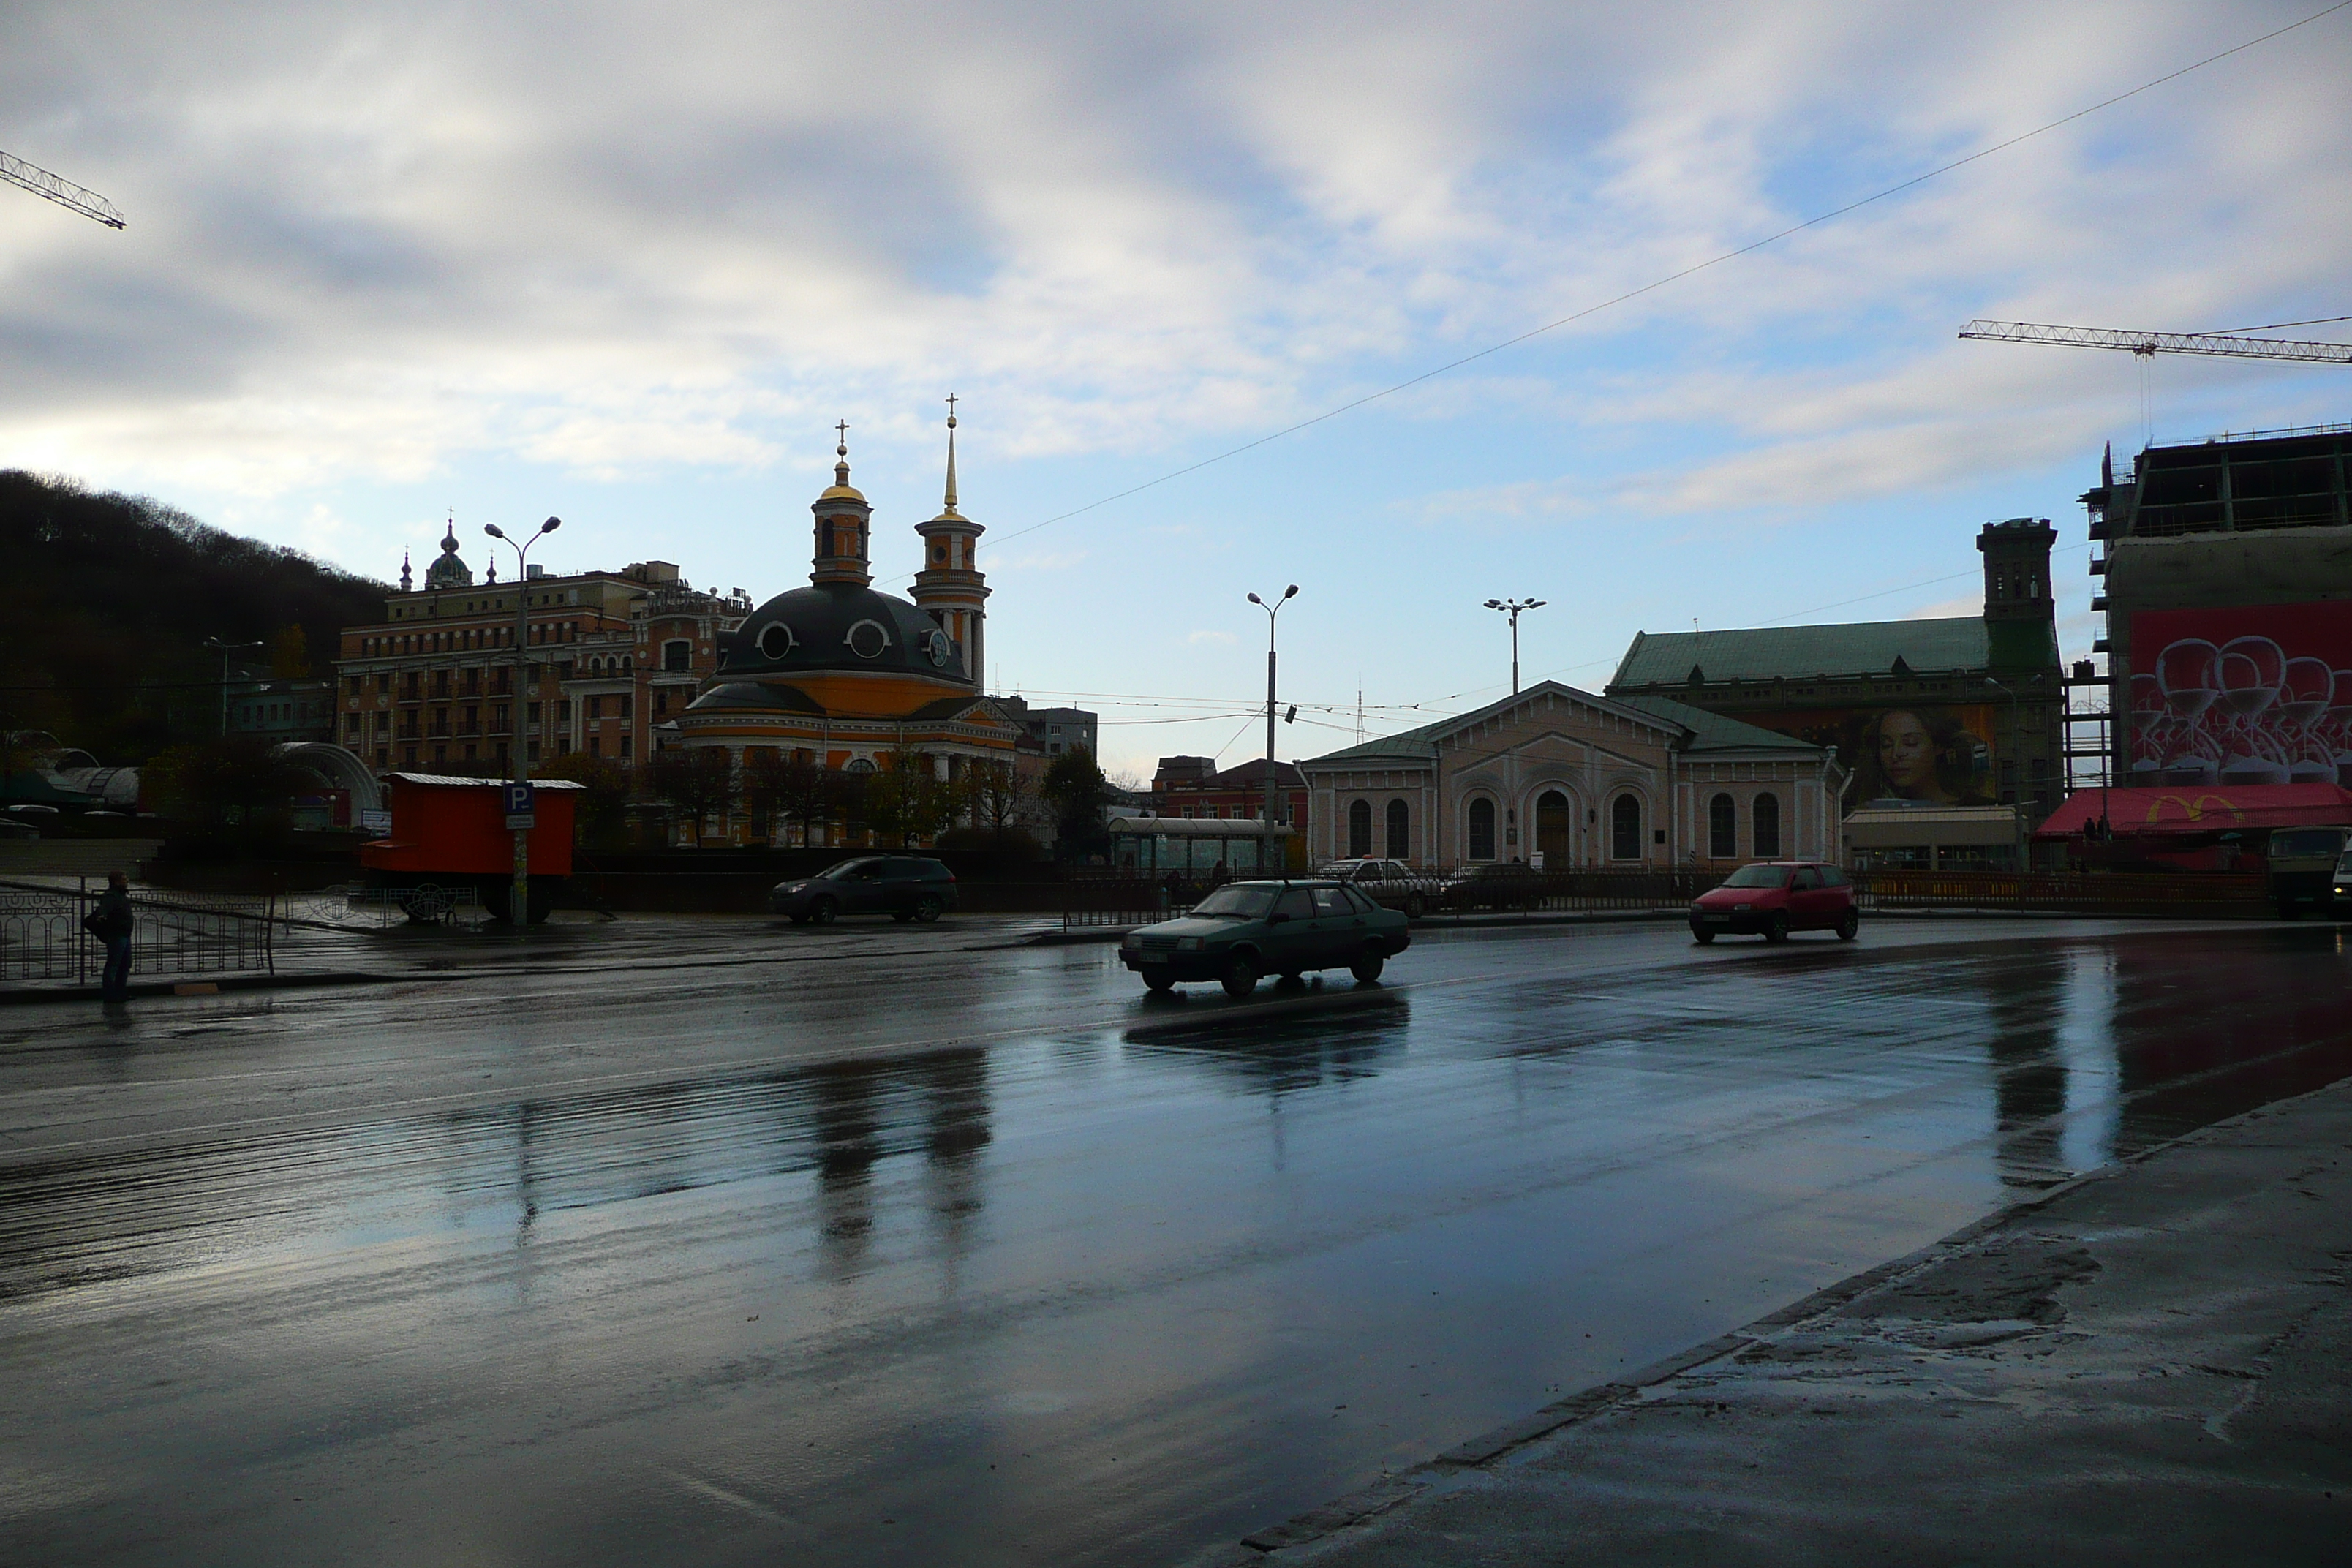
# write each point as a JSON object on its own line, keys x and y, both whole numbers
{"x": 629, "y": 263}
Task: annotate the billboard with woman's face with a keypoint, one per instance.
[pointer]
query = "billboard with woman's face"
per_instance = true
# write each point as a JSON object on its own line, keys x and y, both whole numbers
{"x": 2250, "y": 695}
{"x": 1938, "y": 753}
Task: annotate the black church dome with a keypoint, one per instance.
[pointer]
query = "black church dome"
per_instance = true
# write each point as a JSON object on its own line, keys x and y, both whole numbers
{"x": 838, "y": 626}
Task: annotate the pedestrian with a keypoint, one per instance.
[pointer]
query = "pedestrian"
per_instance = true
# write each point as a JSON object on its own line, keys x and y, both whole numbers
{"x": 111, "y": 922}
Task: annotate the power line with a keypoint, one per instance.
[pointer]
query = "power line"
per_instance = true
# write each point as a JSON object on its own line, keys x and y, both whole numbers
{"x": 1670, "y": 278}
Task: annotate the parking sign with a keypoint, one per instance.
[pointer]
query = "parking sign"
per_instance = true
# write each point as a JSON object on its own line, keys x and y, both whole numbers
{"x": 522, "y": 806}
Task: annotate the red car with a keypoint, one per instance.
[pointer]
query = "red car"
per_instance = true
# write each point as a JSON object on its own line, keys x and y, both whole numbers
{"x": 1773, "y": 899}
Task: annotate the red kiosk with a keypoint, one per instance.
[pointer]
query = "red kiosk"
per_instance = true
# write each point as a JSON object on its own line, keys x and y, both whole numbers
{"x": 449, "y": 836}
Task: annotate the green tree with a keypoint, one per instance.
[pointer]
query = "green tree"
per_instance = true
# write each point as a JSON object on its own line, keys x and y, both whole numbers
{"x": 600, "y": 814}
{"x": 1075, "y": 787}
{"x": 239, "y": 785}
{"x": 908, "y": 800}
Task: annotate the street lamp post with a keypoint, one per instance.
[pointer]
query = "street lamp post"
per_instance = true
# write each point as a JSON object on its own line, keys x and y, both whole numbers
{"x": 1265, "y": 844}
{"x": 225, "y": 650}
{"x": 1512, "y": 608}
{"x": 520, "y": 908}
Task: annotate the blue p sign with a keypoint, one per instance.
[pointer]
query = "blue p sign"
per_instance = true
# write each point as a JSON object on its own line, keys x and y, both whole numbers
{"x": 519, "y": 799}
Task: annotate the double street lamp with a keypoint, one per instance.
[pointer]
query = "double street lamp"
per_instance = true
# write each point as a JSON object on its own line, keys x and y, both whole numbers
{"x": 1512, "y": 608}
{"x": 1265, "y": 844}
{"x": 225, "y": 650}
{"x": 520, "y": 908}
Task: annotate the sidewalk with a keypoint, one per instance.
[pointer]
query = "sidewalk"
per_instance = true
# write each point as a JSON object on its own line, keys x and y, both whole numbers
{"x": 2150, "y": 1364}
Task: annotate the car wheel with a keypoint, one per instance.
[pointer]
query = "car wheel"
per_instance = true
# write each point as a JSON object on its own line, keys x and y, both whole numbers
{"x": 1701, "y": 935}
{"x": 822, "y": 910}
{"x": 1778, "y": 929}
{"x": 1849, "y": 926}
{"x": 1239, "y": 977}
{"x": 1160, "y": 985}
{"x": 1368, "y": 965}
{"x": 927, "y": 908}
{"x": 1414, "y": 907}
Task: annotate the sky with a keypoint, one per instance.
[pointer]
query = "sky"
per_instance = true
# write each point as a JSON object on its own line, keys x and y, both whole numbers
{"x": 627, "y": 264}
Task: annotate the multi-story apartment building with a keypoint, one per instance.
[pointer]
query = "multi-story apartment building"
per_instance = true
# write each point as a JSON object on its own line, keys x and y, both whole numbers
{"x": 612, "y": 656}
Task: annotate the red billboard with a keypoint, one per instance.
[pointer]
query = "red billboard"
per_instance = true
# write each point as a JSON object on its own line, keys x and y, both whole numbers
{"x": 2258, "y": 694}
{"x": 1938, "y": 753}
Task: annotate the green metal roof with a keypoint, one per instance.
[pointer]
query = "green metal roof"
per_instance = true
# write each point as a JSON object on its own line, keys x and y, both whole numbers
{"x": 1713, "y": 731}
{"x": 1803, "y": 652}
{"x": 1408, "y": 746}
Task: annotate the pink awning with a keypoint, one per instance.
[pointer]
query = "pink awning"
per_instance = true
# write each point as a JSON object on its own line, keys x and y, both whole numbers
{"x": 2218, "y": 808}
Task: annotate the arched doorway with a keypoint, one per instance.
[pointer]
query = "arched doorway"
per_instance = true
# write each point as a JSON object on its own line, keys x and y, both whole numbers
{"x": 1555, "y": 826}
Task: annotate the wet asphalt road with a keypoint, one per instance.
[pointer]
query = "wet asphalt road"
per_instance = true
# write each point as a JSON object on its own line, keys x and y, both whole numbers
{"x": 860, "y": 1244}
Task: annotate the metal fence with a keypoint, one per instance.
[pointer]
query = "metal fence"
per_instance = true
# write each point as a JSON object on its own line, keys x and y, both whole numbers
{"x": 2067, "y": 893}
{"x": 41, "y": 936}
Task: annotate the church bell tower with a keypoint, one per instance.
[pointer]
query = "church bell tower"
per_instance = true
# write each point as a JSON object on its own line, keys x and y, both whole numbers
{"x": 842, "y": 519}
{"x": 949, "y": 587}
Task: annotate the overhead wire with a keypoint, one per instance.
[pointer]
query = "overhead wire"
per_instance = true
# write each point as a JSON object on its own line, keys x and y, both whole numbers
{"x": 1675, "y": 277}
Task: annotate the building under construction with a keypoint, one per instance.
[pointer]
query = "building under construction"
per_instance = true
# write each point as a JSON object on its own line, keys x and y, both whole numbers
{"x": 2227, "y": 568}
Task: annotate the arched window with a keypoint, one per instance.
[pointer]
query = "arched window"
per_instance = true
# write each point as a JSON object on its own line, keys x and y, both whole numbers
{"x": 1399, "y": 838}
{"x": 1625, "y": 828}
{"x": 1482, "y": 829}
{"x": 1360, "y": 828}
{"x": 1723, "y": 829}
{"x": 1768, "y": 827}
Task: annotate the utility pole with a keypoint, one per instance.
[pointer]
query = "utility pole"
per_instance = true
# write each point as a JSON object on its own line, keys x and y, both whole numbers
{"x": 1265, "y": 844}
{"x": 1512, "y": 608}
{"x": 519, "y": 908}
{"x": 225, "y": 650}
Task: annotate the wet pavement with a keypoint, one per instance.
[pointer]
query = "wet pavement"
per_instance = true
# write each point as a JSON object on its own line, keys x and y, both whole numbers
{"x": 705, "y": 1246}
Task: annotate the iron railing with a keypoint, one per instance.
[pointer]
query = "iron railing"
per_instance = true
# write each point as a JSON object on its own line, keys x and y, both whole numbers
{"x": 41, "y": 935}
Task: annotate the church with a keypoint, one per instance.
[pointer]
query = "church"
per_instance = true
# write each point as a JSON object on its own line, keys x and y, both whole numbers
{"x": 845, "y": 675}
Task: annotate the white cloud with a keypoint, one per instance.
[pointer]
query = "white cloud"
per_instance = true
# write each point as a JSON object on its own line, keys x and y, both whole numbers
{"x": 1201, "y": 637}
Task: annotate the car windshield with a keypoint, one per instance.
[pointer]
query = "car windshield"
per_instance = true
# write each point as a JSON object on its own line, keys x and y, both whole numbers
{"x": 1239, "y": 902}
{"x": 1757, "y": 877}
{"x": 2344, "y": 866}
{"x": 2310, "y": 841}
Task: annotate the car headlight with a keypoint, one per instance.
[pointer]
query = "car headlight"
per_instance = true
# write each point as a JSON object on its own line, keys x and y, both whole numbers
{"x": 1132, "y": 939}
{"x": 1188, "y": 944}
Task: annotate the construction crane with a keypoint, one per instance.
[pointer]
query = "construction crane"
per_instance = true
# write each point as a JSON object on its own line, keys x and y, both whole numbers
{"x": 61, "y": 190}
{"x": 2148, "y": 345}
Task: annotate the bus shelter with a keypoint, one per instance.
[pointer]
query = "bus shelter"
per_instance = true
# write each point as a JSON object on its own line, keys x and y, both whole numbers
{"x": 1198, "y": 847}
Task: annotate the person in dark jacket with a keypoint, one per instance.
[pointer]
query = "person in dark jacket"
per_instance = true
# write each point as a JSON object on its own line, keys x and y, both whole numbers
{"x": 111, "y": 922}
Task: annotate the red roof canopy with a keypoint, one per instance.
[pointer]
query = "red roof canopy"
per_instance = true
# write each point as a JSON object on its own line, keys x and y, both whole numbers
{"x": 2219, "y": 808}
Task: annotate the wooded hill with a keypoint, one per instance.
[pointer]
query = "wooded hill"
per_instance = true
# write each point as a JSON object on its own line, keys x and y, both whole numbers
{"x": 109, "y": 599}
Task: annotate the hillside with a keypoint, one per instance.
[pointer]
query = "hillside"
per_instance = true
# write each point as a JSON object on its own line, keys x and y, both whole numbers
{"x": 110, "y": 598}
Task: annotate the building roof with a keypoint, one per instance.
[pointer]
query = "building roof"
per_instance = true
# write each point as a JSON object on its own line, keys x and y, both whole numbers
{"x": 1803, "y": 652}
{"x": 1702, "y": 732}
{"x": 462, "y": 781}
{"x": 1711, "y": 733}
{"x": 838, "y": 626}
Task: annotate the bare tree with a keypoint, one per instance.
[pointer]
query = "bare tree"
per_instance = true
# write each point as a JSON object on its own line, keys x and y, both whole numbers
{"x": 699, "y": 781}
{"x": 999, "y": 797}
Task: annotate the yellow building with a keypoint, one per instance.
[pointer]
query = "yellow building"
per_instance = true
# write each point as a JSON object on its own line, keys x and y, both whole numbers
{"x": 846, "y": 676}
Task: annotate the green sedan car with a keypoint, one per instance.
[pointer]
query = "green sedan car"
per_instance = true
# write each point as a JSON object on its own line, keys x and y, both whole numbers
{"x": 1248, "y": 930}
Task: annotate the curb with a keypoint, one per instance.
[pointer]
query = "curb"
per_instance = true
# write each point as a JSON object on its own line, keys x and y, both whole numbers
{"x": 1390, "y": 1490}
{"x": 212, "y": 986}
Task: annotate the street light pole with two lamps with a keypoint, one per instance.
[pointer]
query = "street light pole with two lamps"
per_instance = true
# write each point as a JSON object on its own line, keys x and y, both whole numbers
{"x": 519, "y": 908}
{"x": 1512, "y": 608}
{"x": 1265, "y": 844}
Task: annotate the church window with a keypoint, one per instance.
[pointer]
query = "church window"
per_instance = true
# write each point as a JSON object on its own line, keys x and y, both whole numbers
{"x": 1768, "y": 826}
{"x": 1399, "y": 840}
{"x": 1625, "y": 828}
{"x": 1482, "y": 829}
{"x": 1723, "y": 829}
{"x": 1360, "y": 828}
{"x": 860, "y": 765}
{"x": 866, "y": 639}
{"x": 774, "y": 642}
